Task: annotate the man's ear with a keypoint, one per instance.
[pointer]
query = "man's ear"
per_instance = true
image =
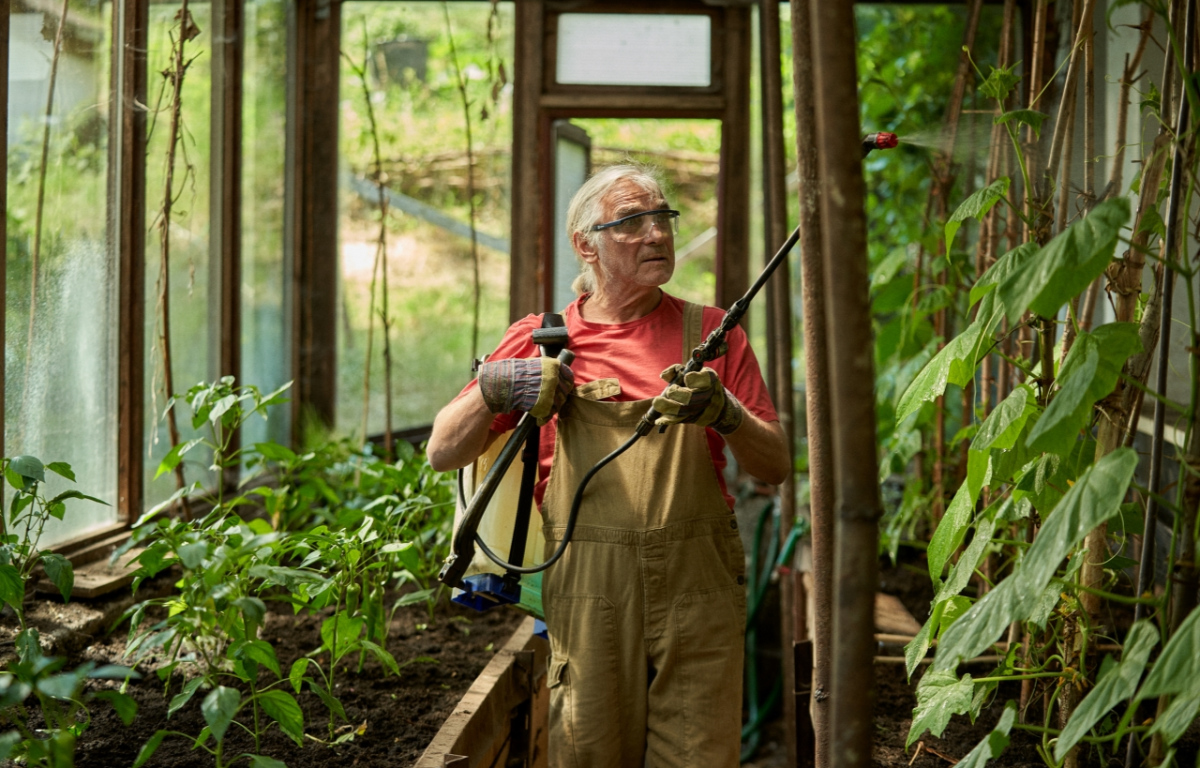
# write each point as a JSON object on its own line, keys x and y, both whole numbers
{"x": 588, "y": 252}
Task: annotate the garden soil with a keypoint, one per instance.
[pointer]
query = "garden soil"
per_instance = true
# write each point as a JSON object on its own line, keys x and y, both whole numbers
{"x": 392, "y": 718}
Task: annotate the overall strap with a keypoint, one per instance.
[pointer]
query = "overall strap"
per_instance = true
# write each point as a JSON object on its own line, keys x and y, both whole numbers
{"x": 693, "y": 328}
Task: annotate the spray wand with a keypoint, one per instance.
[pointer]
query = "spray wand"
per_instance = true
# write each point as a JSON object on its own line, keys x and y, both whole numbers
{"x": 709, "y": 349}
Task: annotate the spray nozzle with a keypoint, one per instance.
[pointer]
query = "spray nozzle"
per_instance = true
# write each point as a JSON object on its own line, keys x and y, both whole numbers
{"x": 881, "y": 140}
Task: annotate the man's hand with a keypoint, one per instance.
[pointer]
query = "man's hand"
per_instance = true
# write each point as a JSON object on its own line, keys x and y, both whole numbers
{"x": 701, "y": 400}
{"x": 538, "y": 386}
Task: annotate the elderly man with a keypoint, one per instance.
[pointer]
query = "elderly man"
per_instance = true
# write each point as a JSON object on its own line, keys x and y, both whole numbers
{"x": 646, "y": 609}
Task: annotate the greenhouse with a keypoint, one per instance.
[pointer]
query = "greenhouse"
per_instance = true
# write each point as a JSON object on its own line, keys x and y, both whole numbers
{"x": 556, "y": 383}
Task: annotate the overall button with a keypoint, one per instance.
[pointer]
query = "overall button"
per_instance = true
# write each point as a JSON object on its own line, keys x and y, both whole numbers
{"x": 733, "y": 523}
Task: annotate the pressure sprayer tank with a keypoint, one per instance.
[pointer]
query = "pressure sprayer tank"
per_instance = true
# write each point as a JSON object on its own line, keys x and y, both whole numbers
{"x": 484, "y": 579}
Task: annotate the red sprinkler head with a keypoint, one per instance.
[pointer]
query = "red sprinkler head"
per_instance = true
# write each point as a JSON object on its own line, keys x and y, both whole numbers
{"x": 881, "y": 140}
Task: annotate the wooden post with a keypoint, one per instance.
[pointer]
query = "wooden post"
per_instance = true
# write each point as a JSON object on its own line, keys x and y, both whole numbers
{"x": 225, "y": 197}
{"x": 311, "y": 213}
{"x": 127, "y": 236}
{"x": 779, "y": 322}
{"x": 733, "y": 194}
{"x": 817, "y": 385}
{"x": 527, "y": 235}
{"x": 4, "y": 20}
{"x": 852, "y": 375}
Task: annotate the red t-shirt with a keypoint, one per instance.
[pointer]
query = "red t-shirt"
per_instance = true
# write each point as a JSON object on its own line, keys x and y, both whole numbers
{"x": 635, "y": 353}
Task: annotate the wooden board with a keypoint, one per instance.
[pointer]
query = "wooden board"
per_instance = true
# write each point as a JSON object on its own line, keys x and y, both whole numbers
{"x": 892, "y": 617}
{"x": 98, "y": 577}
{"x": 477, "y": 733}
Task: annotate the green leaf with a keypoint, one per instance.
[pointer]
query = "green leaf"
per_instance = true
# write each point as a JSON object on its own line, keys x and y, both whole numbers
{"x": 1003, "y": 425}
{"x": 60, "y": 572}
{"x": 12, "y": 586}
{"x": 1175, "y": 720}
{"x": 332, "y": 704}
{"x": 1088, "y": 375}
{"x": 1092, "y": 500}
{"x": 262, "y": 761}
{"x": 124, "y": 705}
{"x": 219, "y": 707}
{"x": 950, "y": 531}
{"x": 954, "y": 364}
{"x": 406, "y": 552}
{"x": 283, "y": 709}
{"x": 192, "y": 555}
{"x": 30, "y": 468}
{"x": 994, "y": 744}
{"x": 1067, "y": 264}
{"x": 275, "y": 452}
{"x": 1115, "y": 687}
{"x": 975, "y": 207}
{"x": 179, "y": 700}
{"x": 75, "y": 495}
{"x": 289, "y": 578}
{"x": 220, "y": 408}
{"x": 1030, "y": 117}
{"x": 999, "y": 83}
{"x": 916, "y": 648}
{"x": 960, "y": 574}
{"x": 114, "y": 672}
{"x": 884, "y": 271}
{"x": 955, "y": 607}
{"x": 254, "y": 609}
{"x": 62, "y": 469}
{"x": 174, "y": 456}
{"x": 383, "y": 655}
{"x": 296, "y": 676}
{"x": 1179, "y": 664}
{"x": 7, "y": 742}
{"x": 149, "y": 748}
{"x": 348, "y": 631}
{"x": 262, "y": 652}
{"x": 940, "y": 696}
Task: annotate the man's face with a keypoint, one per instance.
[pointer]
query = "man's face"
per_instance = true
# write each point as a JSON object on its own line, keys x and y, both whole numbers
{"x": 645, "y": 261}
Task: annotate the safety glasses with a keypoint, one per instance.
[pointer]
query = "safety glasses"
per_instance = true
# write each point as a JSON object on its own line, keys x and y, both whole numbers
{"x": 637, "y": 226}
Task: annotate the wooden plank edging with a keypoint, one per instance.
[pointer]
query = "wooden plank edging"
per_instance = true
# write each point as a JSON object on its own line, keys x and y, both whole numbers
{"x": 479, "y": 727}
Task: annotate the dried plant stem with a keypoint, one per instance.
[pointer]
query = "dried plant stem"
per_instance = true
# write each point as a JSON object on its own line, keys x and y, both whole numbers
{"x": 380, "y": 265}
{"x": 175, "y": 75}
{"x": 39, "y": 211}
{"x": 466, "y": 106}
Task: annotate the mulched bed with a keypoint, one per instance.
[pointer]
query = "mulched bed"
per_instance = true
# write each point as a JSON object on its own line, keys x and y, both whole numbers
{"x": 396, "y": 717}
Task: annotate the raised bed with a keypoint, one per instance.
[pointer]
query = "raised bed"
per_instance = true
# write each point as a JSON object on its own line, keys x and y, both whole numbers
{"x": 502, "y": 718}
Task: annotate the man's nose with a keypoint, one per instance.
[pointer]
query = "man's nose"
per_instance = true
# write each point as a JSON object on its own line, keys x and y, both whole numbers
{"x": 656, "y": 231}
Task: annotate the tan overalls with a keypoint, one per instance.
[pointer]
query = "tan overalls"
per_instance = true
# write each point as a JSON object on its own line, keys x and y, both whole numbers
{"x": 646, "y": 609}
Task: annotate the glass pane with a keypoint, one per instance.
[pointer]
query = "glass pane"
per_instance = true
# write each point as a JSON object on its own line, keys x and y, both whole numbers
{"x": 265, "y": 361}
{"x": 60, "y": 347}
{"x": 634, "y": 49}
{"x": 570, "y": 171}
{"x": 184, "y": 243}
{"x": 412, "y": 87}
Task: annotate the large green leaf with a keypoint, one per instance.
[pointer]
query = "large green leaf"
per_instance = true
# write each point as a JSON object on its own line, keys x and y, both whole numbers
{"x": 1030, "y": 117}
{"x": 1096, "y": 497}
{"x": 283, "y": 709}
{"x": 976, "y": 206}
{"x": 994, "y": 744}
{"x": 1178, "y": 717}
{"x": 1179, "y": 664}
{"x": 149, "y": 748}
{"x": 1013, "y": 261}
{"x": 950, "y": 531}
{"x": 916, "y": 648}
{"x": 1118, "y": 685}
{"x": 960, "y": 574}
{"x": 124, "y": 705}
{"x": 60, "y": 572}
{"x": 219, "y": 707}
{"x": 940, "y": 696}
{"x": 1088, "y": 375}
{"x": 954, "y": 364}
{"x": 348, "y": 630}
{"x": 1067, "y": 264}
{"x": 262, "y": 761}
{"x": 12, "y": 586}
{"x": 179, "y": 700}
{"x": 1004, "y": 424}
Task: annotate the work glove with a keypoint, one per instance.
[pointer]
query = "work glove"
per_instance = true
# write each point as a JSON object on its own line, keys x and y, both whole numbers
{"x": 701, "y": 399}
{"x": 537, "y": 386}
